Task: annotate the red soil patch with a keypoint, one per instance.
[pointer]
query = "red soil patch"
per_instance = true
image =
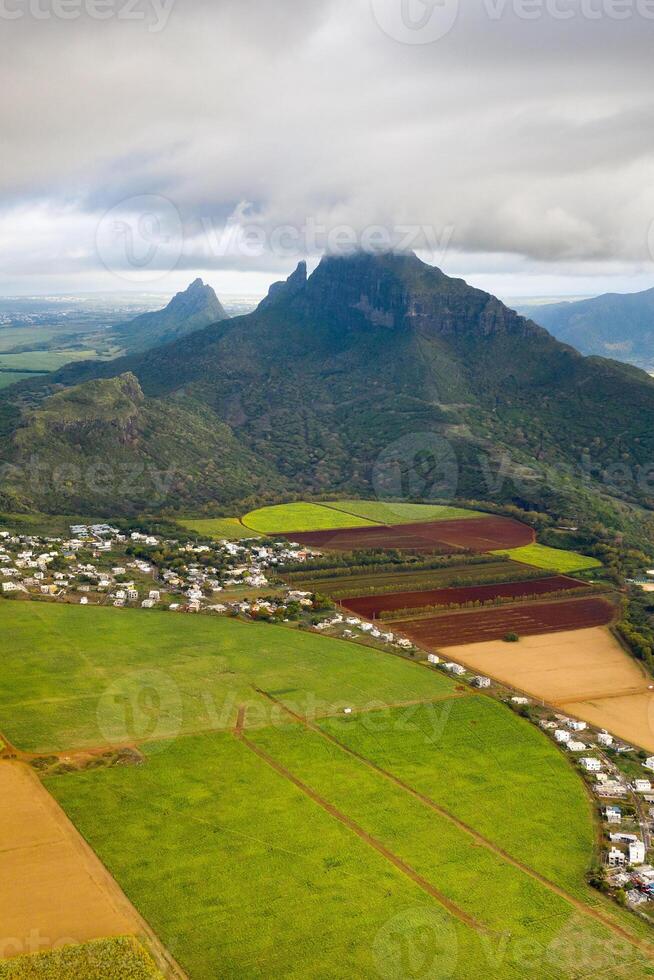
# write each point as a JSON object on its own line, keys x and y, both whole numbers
{"x": 445, "y": 537}
{"x": 372, "y": 605}
{"x": 526, "y": 619}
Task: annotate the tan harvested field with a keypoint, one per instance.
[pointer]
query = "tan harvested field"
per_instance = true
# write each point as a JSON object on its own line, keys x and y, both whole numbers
{"x": 53, "y": 890}
{"x": 585, "y": 673}
{"x": 631, "y": 716}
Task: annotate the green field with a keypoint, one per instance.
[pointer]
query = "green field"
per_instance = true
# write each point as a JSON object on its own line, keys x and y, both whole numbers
{"x": 292, "y": 851}
{"x": 258, "y": 875}
{"x": 13, "y": 377}
{"x": 285, "y": 518}
{"x": 44, "y": 360}
{"x": 120, "y": 959}
{"x": 383, "y": 512}
{"x": 552, "y": 559}
{"x": 74, "y": 677}
{"x": 218, "y": 528}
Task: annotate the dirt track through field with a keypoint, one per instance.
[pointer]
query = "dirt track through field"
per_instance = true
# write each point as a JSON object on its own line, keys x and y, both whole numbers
{"x": 586, "y": 910}
{"x": 392, "y": 858}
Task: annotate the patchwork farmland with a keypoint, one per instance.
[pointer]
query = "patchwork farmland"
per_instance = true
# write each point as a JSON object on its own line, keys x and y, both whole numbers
{"x": 302, "y": 828}
{"x": 388, "y": 579}
{"x": 372, "y": 606}
{"x": 275, "y": 802}
{"x": 523, "y": 619}
{"x": 477, "y": 535}
{"x": 585, "y": 673}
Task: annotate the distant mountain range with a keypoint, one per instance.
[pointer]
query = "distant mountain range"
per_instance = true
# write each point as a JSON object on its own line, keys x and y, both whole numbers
{"x": 376, "y": 374}
{"x": 618, "y": 325}
{"x": 196, "y": 307}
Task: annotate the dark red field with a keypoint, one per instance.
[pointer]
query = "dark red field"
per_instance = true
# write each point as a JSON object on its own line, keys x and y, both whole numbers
{"x": 372, "y": 605}
{"x": 525, "y": 619}
{"x": 445, "y": 537}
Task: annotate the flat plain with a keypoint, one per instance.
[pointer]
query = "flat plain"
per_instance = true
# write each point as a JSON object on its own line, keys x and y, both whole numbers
{"x": 288, "y": 855}
{"x": 265, "y": 831}
{"x": 70, "y": 671}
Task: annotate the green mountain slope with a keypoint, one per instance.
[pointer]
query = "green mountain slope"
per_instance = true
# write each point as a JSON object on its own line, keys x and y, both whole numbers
{"x": 382, "y": 374}
{"x": 614, "y": 325}
{"x": 103, "y": 445}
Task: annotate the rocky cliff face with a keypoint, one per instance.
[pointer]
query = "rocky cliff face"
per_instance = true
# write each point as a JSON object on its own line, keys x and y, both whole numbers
{"x": 398, "y": 292}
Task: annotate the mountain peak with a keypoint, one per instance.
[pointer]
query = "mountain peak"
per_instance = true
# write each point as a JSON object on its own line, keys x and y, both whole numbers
{"x": 192, "y": 309}
{"x": 287, "y": 288}
{"x": 393, "y": 290}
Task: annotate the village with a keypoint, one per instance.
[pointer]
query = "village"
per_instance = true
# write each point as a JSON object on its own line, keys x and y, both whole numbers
{"x": 102, "y": 565}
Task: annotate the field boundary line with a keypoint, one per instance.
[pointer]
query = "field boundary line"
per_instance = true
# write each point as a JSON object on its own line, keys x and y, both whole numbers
{"x": 95, "y": 866}
{"x": 332, "y": 504}
{"x": 568, "y": 596}
{"x": 580, "y": 906}
{"x": 368, "y": 839}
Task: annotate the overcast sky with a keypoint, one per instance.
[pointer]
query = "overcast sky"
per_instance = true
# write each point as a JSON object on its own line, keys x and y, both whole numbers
{"x": 511, "y": 140}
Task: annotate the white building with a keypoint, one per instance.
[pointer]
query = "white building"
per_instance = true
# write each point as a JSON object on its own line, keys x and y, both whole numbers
{"x": 481, "y": 681}
{"x": 433, "y": 659}
{"x": 642, "y": 786}
{"x": 577, "y": 726}
{"x": 613, "y": 814}
{"x": 519, "y": 700}
{"x": 615, "y": 858}
{"x": 455, "y": 669}
{"x": 637, "y": 852}
{"x": 649, "y": 763}
{"x": 590, "y": 764}
{"x": 561, "y": 736}
{"x": 577, "y": 746}
{"x": 605, "y": 739}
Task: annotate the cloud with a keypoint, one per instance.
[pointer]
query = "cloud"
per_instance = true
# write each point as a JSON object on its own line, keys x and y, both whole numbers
{"x": 529, "y": 138}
